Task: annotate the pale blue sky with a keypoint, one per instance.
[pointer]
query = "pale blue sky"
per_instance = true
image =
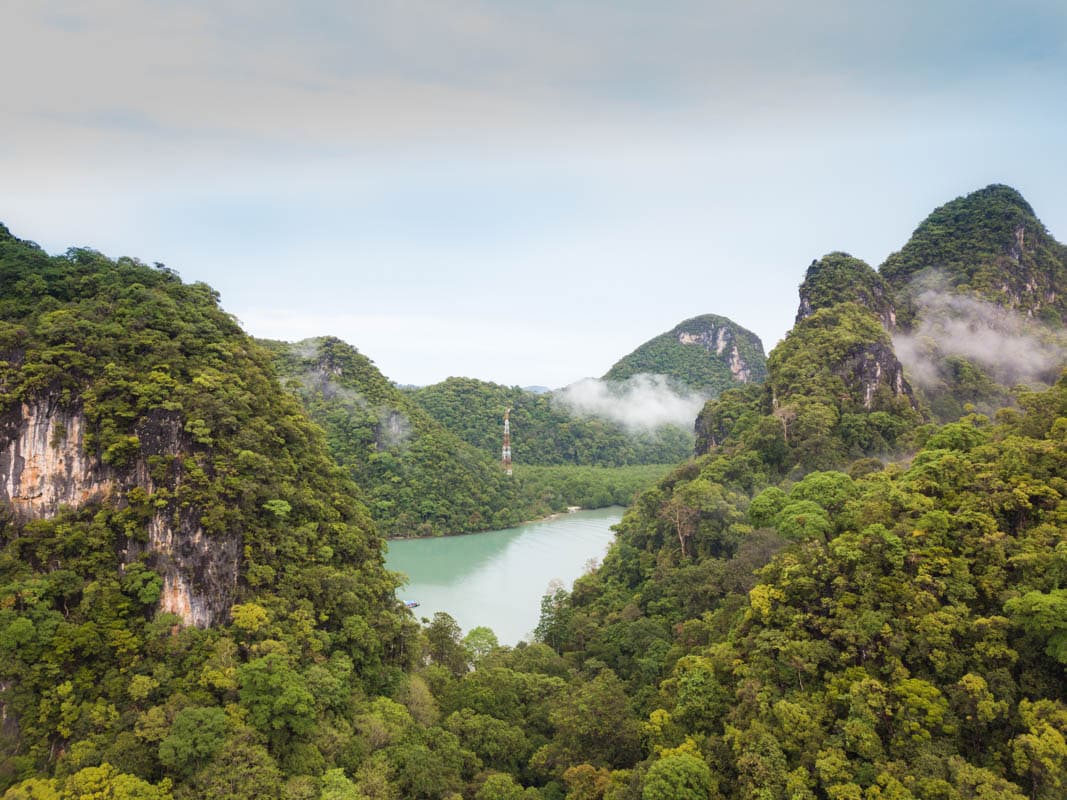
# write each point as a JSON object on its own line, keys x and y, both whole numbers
{"x": 520, "y": 192}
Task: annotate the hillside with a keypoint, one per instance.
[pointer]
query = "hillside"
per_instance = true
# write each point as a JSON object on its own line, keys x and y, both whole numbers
{"x": 544, "y": 433}
{"x": 788, "y": 630}
{"x": 836, "y": 599}
{"x": 175, "y": 536}
{"x": 979, "y": 289}
{"x": 417, "y": 477}
{"x": 708, "y": 354}
{"x": 839, "y": 278}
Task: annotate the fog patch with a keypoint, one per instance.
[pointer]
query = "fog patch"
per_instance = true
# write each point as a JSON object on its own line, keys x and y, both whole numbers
{"x": 306, "y": 349}
{"x": 640, "y": 403}
{"x": 1010, "y": 347}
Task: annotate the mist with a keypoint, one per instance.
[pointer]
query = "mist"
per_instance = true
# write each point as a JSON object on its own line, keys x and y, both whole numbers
{"x": 1010, "y": 347}
{"x": 641, "y": 403}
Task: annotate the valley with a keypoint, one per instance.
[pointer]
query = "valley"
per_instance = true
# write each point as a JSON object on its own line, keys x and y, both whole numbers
{"x": 846, "y": 584}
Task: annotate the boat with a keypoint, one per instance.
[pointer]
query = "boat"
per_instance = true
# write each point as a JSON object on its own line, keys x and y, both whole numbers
{"x": 411, "y": 603}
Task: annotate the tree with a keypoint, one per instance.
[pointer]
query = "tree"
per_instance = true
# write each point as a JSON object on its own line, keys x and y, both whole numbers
{"x": 443, "y": 638}
{"x": 194, "y": 736}
{"x": 480, "y": 641}
{"x": 276, "y": 696}
{"x": 682, "y": 776}
{"x": 499, "y": 786}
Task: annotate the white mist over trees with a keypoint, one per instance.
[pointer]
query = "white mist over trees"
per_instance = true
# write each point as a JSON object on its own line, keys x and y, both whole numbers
{"x": 1011, "y": 347}
{"x": 641, "y": 403}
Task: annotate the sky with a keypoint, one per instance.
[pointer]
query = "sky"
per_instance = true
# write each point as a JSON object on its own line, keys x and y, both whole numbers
{"x": 517, "y": 192}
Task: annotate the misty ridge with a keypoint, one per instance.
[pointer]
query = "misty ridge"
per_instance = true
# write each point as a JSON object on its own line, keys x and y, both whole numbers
{"x": 392, "y": 430}
{"x": 1009, "y": 346}
{"x": 643, "y": 402}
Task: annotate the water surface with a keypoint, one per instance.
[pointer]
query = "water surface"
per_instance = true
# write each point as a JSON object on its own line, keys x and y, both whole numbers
{"x": 497, "y": 578}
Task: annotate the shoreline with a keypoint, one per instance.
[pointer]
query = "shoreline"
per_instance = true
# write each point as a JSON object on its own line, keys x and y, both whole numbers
{"x": 553, "y": 515}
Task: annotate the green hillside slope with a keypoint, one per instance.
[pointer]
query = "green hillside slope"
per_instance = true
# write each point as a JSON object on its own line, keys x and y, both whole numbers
{"x": 418, "y": 478}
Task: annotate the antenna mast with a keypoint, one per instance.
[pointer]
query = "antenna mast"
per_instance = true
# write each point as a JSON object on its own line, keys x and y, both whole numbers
{"x": 505, "y": 460}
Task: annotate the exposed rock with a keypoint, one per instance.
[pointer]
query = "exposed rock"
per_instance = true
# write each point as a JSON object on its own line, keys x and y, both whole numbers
{"x": 717, "y": 339}
{"x": 873, "y": 368}
{"x": 42, "y": 462}
{"x": 44, "y": 466}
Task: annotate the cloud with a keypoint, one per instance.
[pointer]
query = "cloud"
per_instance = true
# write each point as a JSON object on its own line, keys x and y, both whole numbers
{"x": 345, "y": 75}
{"x": 1009, "y": 346}
{"x": 641, "y": 403}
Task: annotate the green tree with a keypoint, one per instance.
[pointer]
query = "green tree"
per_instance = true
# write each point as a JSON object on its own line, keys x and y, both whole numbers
{"x": 679, "y": 777}
{"x": 194, "y": 737}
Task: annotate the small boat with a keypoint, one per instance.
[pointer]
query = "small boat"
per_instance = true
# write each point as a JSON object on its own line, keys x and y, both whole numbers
{"x": 411, "y": 603}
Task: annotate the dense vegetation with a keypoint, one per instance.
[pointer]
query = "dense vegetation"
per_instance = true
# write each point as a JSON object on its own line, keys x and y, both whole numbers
{"x": 978, "y": 290}
{"x": 708, "y": 354}
{"x": 543, "y": 433}
{"x": 556, "y": 488}
{"x": 831, "y": 395}
{"x": 835, "y": 600}
{"x": 90, "y": 674}
{"x": 905, "y": 638}
{"x": 418, "y": 478}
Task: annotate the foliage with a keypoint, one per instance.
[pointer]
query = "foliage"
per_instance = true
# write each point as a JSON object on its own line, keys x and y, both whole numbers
{"x": 784, "y": 616}
{"x": 419, "y": 478}
{"x": 164, "y": 384}
{"x": 831, "y": 395}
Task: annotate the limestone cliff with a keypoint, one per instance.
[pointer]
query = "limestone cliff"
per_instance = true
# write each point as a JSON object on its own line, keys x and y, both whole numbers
{"x": 44, "y": 466}
{"x": 873, "y": 369}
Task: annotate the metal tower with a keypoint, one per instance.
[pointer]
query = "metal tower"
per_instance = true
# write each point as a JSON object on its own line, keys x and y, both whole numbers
{"x": 505, "y": 460}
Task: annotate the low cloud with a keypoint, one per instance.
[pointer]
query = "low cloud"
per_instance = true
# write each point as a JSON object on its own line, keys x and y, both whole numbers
{"x": 641, "y": 403}
{"x": 1010, "y": 347}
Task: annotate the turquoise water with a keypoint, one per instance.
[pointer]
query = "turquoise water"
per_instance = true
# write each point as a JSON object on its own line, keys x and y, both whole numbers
{"x": 497, "y": 578}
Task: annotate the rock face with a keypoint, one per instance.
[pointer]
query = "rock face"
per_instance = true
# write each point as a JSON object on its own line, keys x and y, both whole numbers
{"x": 720, "y": 340}
{"x": 873, "y": 368}
{"x": 44, "y": 466}
{"x": 42, "y": 463}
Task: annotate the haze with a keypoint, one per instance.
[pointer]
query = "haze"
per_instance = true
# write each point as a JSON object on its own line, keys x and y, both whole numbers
{"x": 510, "y": 191}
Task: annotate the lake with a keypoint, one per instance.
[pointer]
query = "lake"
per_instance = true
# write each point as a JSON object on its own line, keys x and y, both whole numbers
{"x": 497, "y": 578}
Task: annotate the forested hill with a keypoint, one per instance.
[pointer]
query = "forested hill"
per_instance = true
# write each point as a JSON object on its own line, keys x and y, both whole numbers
{"x": 979, "y": 290}
{"x": 708, "y": 354}
{"x": 991, "y": 243}
{"x": 418, "y": 478}
{"x": 838, "y": 598}
{"x": 190, "y": 589}
{"x": 543, "y": 433}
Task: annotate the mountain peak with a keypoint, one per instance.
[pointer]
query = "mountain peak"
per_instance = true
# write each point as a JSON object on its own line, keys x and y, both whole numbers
{"x": 989, "y": 243}
{"x": 708, "y": 353}
{"x": 840, "y": 278}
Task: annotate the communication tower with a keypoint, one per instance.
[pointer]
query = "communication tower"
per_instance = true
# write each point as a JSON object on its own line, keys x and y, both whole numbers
{"x": 505, "y": 460}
